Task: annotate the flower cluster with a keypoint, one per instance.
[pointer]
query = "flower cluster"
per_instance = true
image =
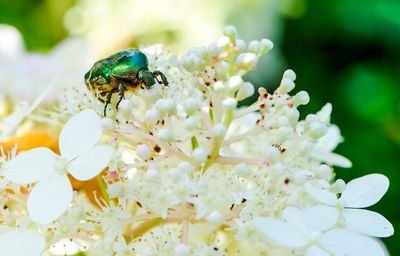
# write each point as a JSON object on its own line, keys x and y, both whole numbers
{"x": 184, "y": 169}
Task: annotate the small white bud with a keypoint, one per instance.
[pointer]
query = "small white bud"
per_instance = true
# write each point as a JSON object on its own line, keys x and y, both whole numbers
{"x": 317, "y": 130}
{"x": 190, "y": 123}
{"x": 235, "y": 82}
{"x": 170, "y": 106}
{"x": 161, "y": 106}
{"x": 182, "y": 250}
{"x": 305, "y": 147}
{"x": 284, "y": 131}
{"x": 222, "y": 68}
{"x": 301, "y": 98}
{"x": 289, "y": 74}
{"x": 278, "y": 169}
{"x": 301, "y": 177}
{"x": 114, "y": 189}
{"x": 324, "y": 171}
{"x": 242, "y": 170}
{"x": 108, "y": 125}
{"x": 265, "y": 46}
{"x": 254, "y": 46}
{"x": 286, "y": 86}
{"x": 293, "y": 116}
{"x": 191, "y": 105}
{"x": 200, "y": 155}
{"x": 125, "y": 108}
{"x": 229, "y": 103}
{"x": 272, "y": 154}
{"x": 143, "y": 151}
{"x": 186, "y": 167}
{"x": 339, "y": 186}
{"x": 230, "y": 31}
{"x": 151, "y": 116}
{"x": 219, "y": 131}
{"x": 152, "y": 174}
{"x": 224, "y": 42}
{"x": 165, "y": 135}
{"x": 283, "y": 121}
{"x": 240, "y": 45}
{"x": 213, "y": 49}
{"x": 247, "y": 60}
{"x": 214, "y": 217}
{"x": 311, "y": 118}
{"x": 219, "y": 86}
{"x": 245, "y": 91}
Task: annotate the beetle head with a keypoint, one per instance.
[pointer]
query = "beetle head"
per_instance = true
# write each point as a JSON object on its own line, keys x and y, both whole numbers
{"x": 145, "y": 76}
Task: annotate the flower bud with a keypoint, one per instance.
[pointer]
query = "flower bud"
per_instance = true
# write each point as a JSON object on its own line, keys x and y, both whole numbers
{"x": 245, "y": 91}
{"x": 143, "y": 151}
{"x": 151, "y": 116}
{"x": 219, "y": 86}
{"x": 242, "y": 170}
{"x": 305, "y": 147}
{"x": 240, "y": 45}
{"x": 247, "y": 60}
{"x": 215, "y": 217}
{"x": 272, "y": 154}
{"x": 286, "y": 86}
{"x": 219, "y": 131}
{"x": 301, "y": 177}
{"x": 213, "y": 49}
{"x": 254, "y": 46}
{"x": 230, "y": 31}
{"x": 165, "y": 135}
{"x": 190, "y": 123}
{"x": 222, "y": 68}
{"x": 229, "y": 103}
{"x": 224, "y": 42}
{"x": 317, "y": 130}
{"x": 265, "y": 46}
{"x": 338, "y": 187}
{"x": 311, "y": 118}
{"x": 125, "y": 108}
{"x": 289, "y": 74}
{"x": 278, "y": 169}
{"x": 152, "y": 174}
{"x": 182, "y": 250}
{"x": 301, "y": 98}
{"x": 200, "y": 155}
{"x": 324, "y": 171}
{"x": 191, "y": 105}
{"x": 293, "y": 116}
{"x": 235, "y": 82}
{"x": 108, "y": 125}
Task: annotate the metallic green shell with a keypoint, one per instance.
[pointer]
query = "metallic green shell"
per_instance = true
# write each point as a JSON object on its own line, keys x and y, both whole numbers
{"x": 120, "y": 64}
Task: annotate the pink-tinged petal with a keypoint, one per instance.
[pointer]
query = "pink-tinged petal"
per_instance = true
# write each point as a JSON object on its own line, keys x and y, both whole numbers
{"x": 22, "y": 243}
{"x": 368, "y": 222}
{"x": 342, "y": 242}
{"x": 30, "y": 166}
{"x": 295, "y": 218}
{"x": 321, "y": 217}
{"x": 281, "y": 232}
{"x": 80, "y": 133}
{"x": 320, "y": 194}
{"x": 365, "y": 191}
{"x": 316, "y": 251}
{"x": 91, "y": 163}
{"x": 50, "y": 198}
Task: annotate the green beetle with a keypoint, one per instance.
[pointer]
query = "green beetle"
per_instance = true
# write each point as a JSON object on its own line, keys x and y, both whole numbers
{"x": 120, "y": 72}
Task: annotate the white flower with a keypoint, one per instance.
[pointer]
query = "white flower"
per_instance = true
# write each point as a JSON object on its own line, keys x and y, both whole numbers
{"x": 304, "y": 230}
{"x": 22, "y": 243}
{"x": 359, "y": 193}
{"x": 79, "y": 156}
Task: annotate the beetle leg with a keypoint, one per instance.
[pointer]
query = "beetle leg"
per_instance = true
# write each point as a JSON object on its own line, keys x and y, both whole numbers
{"x": 163, "y": 77}
{"x": 120, "y": 93}
{"x": 107, "y": 102}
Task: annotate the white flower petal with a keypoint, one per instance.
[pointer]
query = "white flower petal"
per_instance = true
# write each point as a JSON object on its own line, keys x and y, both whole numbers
{"x": 30, "y": 166}
{"x": 281, "y": 232}
{"x": 330, "y": 140}
{"x": 90, "y": 164}
{"x": 365, "y": 191}
{"x": 321, "y": 217}
{"x": 295, "y": 218}
{"x": 80, "y": 133}
{"x": 321, "y": 195}
{"x": 325, "y": 114}
{"x": 22, "y": 243}
{"x": 330, "y": 158}
{"x": 368, "y": 222}
{"x": 342, "y": 242}
{"x": 49, "y": 198}
{"x": 316, "y": 251}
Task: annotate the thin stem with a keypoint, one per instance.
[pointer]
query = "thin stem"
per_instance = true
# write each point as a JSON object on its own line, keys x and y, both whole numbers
{"x": 103, "y": 188}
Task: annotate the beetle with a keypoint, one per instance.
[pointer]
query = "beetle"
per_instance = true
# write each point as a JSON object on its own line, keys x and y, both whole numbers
{"x": 123, "y": 71}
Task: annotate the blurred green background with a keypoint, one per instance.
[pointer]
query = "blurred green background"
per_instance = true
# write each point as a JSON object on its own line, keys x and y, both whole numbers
{"x": 346, "y": 52}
